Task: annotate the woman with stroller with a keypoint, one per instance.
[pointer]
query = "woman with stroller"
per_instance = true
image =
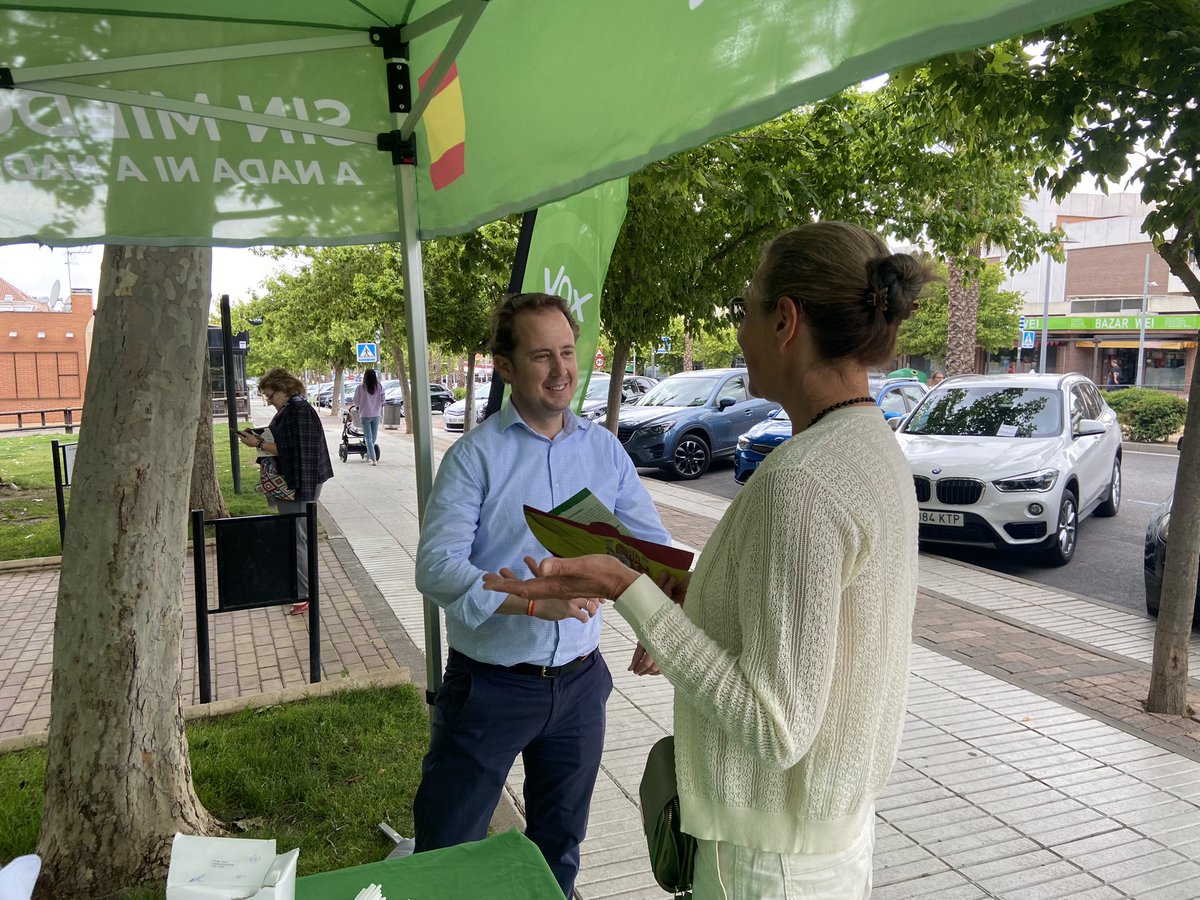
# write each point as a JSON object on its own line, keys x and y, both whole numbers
{"x": 789, "y": 655}
{"x": 298, "y": 443}
{"x": 368, "y": 397}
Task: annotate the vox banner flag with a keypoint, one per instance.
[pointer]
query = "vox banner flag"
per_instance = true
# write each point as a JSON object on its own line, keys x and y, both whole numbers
{"x": 572, "y": 243}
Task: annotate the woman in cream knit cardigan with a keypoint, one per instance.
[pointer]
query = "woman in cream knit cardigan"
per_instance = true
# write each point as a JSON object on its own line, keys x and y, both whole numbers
{"x": 790, "y": 657}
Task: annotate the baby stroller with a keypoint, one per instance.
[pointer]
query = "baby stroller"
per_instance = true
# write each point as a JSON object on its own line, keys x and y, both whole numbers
{"x": 352, "y": 439}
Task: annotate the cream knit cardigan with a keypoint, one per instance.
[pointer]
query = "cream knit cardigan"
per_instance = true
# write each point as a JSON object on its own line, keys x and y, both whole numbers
{"x": 790, "y": 658}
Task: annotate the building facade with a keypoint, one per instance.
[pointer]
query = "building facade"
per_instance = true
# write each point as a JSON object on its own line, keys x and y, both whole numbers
{"x": 44, "y": 349}
{"x": 1094, "y": 299}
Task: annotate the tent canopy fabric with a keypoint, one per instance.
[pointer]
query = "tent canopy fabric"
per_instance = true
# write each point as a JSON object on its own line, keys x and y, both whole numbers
{"x": 239, "y": 123}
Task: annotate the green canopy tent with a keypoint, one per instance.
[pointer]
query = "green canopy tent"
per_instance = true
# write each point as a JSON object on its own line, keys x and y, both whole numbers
{"x": 231, "y": 123}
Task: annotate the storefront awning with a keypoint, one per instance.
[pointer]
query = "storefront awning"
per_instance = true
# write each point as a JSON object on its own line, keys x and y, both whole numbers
{"x": 1133, "y": 345}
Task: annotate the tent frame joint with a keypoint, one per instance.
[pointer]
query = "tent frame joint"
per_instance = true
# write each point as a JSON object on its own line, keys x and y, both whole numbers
{"x": 389, "y": 39}
{"x": 6, "y": 79}
{"x": 399, "y": 86}
{"x": 403, "y": 150}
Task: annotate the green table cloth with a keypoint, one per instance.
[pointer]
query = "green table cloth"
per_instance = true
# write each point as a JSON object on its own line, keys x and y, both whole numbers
{"x": 507, "y": 866}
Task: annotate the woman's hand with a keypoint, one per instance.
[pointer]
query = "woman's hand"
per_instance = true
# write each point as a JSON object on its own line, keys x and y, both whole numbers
{"x": 248, "y": 438}
{"x": 643, "y": 663}
{"x": 594, "y": 576}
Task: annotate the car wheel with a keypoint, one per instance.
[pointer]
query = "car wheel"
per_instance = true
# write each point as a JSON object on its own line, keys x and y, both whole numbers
{"x": 1112, "y": 502}
{"x": 343, "y": 453}
{"x": 692, "y": 457}
{"x": 1061, "y": 547}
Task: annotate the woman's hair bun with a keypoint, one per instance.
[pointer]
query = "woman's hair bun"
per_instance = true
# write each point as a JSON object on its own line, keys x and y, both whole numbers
{"x": 894, "y": 282}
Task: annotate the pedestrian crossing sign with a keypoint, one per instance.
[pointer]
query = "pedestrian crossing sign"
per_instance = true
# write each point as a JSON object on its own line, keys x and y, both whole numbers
{"x": 1028, "y": 338}
{"x": 368, "y": 352}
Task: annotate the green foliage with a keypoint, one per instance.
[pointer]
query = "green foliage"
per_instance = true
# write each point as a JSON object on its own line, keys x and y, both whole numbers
{"x": 1147, "y": 415}
{"x": 465, "y": 276}
{"x": 1111, "y": 95}
{"x": 319, "y": 774}
{"x": 925, "y": 333}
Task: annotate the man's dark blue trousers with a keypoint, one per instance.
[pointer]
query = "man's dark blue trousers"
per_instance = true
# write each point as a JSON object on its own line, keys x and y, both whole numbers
{"x": 484, "y": 716}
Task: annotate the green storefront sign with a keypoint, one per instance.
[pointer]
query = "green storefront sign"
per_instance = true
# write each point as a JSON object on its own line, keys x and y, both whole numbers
{"x": 1115, "y": 323}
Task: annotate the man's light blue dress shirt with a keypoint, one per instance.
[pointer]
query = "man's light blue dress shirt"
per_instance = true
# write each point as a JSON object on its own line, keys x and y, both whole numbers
{"x": 474, "y": 524}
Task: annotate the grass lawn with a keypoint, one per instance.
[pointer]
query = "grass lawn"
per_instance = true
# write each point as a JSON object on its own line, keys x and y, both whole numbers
{"x": 29, "y": 517}
{"x": 318, "y": 774}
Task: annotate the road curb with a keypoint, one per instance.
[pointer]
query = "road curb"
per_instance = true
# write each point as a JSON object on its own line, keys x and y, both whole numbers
{"x": 1167, "y": 448}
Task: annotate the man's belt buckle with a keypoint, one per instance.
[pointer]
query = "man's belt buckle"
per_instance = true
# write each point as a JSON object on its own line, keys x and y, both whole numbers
{"x": 543, "y": 672}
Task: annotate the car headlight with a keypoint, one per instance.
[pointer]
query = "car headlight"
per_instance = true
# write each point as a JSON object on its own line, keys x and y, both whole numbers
{"x": 1160, "y": 527}
{"x": 1034, "y": 481}
{"x": 658, "y": 428}
{"x": 743, "y": 443}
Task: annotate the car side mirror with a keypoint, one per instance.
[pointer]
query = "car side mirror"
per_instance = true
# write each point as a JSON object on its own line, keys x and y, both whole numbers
{"x": 1088, "y": 427}
{"x": 895, "y": 422}
{"x": 724, "y": 403}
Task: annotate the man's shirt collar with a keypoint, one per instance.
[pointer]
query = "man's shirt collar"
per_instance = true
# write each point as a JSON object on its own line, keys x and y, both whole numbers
{"x": 509, "y": 416}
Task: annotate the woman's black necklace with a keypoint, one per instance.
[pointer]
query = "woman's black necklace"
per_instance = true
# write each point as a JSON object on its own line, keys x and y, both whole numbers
{"x": 827, "y": 410}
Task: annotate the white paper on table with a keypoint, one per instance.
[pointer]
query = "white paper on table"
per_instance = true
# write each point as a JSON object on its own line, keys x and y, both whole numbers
{"x": 18, "y": 877}
{"x": 208, "y": 868}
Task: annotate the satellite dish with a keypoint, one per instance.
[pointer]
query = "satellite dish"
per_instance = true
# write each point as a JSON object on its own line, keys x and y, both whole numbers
{"x": 55, "y": 290}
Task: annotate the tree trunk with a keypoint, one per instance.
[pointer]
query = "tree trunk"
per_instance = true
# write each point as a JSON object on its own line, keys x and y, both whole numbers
{"x": 620, "y": 355}
{"x": 118, "y": 775}
{"x": 469, "y": 411}
{"x": 961, "y": 320}
{"x": 205, "y": 491}
{"x": 335, "y": 399}
{"x": 1173, "y": 631}
{"x": 687, "y": 352}
{"x": 397, "y": 350}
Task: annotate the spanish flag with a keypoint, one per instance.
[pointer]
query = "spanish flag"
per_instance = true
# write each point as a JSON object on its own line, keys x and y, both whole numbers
{"x": 445, "y": 128}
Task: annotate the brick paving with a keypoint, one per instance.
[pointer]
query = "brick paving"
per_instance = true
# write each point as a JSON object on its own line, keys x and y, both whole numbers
{"x": 253, "y": 651}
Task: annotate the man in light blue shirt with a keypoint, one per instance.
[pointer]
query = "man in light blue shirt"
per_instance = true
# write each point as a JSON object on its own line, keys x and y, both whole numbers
{"x": 522, "y": 678}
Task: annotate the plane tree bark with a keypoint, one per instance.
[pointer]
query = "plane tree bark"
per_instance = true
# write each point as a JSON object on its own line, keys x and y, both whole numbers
{"x": 118, "y": 775}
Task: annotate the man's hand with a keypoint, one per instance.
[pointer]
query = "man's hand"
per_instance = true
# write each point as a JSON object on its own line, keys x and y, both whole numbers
{"x": 643, "y": 663}
{"x": 593, "y": 577}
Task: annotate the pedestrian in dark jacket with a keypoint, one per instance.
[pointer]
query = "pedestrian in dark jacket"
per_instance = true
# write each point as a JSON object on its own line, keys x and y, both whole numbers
{"x": 298, "y": 443}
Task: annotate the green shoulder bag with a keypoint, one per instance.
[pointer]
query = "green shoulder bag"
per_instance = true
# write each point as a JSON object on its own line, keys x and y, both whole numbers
{"x": 672, "y": 852}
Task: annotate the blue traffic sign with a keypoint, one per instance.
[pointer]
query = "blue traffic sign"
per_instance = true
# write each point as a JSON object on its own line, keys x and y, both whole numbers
{"x": 367, "y": 352}
{"x": 1021, "y": 324}
{"x": 1028, "y": 340}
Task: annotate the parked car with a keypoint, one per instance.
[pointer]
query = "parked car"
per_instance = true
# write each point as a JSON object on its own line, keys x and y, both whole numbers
{"x": 687, "y": 420}
{"x": 896, "y": 398}
{"x": 440, "y": 396}
{"x": 1013, "y": 461}
{"x": 595, "y": 401}
{"x": 634, "y": 386}
{"x": 1156, "y": 558}
{"x": 454, "y": 414}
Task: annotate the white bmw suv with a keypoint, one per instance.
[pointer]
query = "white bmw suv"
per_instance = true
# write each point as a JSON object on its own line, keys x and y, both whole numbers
{"x": 1013, "y": 461}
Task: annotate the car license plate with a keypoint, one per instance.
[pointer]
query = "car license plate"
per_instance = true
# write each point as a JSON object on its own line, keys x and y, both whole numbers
{"x": 930, "y": 517}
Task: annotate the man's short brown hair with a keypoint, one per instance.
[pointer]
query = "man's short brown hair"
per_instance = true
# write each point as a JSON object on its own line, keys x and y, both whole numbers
{"x": 504, "y": 318}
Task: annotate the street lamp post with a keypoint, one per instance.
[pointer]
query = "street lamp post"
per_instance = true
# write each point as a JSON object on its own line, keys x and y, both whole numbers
{"x": 1141, "y": 363}
{"x": 1045, "y": 314}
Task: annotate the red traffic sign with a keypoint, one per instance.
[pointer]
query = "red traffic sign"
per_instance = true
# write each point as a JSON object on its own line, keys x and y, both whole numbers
{"x": 599, "y": 360}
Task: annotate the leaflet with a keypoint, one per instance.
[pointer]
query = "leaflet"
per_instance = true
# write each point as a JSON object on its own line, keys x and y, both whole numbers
{"x": 583, "y": 525}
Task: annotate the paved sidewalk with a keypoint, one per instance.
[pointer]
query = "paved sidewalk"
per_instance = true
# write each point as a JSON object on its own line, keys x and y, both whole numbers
{"x": 254, "y": 652}
{"x": 1028, "y": 768}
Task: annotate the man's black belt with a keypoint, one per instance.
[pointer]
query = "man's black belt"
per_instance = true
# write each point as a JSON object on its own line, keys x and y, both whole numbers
{"x": 530, "y": 668}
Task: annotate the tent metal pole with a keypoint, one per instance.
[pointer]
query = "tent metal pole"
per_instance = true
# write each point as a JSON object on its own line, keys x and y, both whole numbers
{"x": 187, "y": 107}
{"x": 422, "y": 418}
{"x": 27, "y": 77}
{"x": 446, "y": 59}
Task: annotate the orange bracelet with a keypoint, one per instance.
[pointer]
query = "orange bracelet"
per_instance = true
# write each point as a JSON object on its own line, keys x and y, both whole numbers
{"x": 529, "y": 611}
